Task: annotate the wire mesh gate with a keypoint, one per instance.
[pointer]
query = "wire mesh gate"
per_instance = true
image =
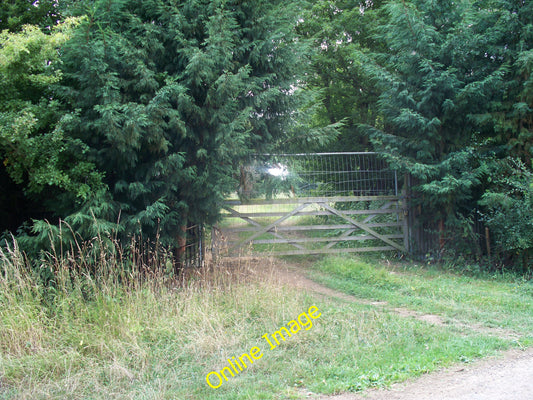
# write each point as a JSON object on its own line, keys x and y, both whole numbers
{"x": 322, "y": 203}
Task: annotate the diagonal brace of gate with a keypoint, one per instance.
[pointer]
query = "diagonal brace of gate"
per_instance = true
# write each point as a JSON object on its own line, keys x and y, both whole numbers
{"x": 363, "y": 227}
{"x": 272, "y": 225}
{"x": 258, "y": 225}
{"x": 367, "y": 219}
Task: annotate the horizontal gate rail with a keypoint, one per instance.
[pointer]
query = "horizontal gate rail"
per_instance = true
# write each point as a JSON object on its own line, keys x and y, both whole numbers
{"x": 330, "y": 251}
{"x": 315, "y": 227}
{"x": 335, "y": 199}
{"x": 325, "y": 240}
{"x": 312, "y": 213}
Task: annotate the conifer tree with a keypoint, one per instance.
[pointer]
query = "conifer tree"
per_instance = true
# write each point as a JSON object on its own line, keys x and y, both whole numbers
{"x": 455, "y": 94}
{"x": 170, "y": 95}
{"x": 504, "y": 29}
{"x": 425, "y": 125}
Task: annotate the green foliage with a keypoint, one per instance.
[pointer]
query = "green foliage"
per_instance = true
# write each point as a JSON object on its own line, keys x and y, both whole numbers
{"x": 424, "y": 128}
{"x": 509, "y": 209}
{"x": 135, "y": 121}
{"x": 14, "y": 14}
{"x": 38, "y": 159}
{"x": 339, "y": 30}
{"x": 505, "y": 29}
{"x": 170, "y": 96}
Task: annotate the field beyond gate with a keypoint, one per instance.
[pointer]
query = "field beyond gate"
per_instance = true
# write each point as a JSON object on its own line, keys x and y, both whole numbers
{"x": 295, "y": 204}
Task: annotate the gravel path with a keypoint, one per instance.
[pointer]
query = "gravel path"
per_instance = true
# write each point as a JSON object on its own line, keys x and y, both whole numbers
{"x": 507, "y": 378}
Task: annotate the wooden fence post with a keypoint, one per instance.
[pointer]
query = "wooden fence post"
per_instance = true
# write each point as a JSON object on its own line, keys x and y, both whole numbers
{"x": 406, "y": 216}
{"x": 181, "y": 241}
{"x": 487, "y": 242}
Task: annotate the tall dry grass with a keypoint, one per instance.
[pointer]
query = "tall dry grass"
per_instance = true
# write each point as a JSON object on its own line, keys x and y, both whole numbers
{"x": 90, "y": 316}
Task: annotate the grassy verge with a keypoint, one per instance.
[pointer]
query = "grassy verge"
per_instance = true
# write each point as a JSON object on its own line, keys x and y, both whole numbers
{"x": 123, "y": 336}
{"x": 490, "y": 300}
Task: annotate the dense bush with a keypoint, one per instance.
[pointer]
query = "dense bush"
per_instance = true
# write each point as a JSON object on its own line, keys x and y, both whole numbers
{"x": 508, "y": 208}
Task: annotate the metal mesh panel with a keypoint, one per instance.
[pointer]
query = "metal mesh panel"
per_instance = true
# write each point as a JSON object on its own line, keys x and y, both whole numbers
{"x": 318, "y": 174}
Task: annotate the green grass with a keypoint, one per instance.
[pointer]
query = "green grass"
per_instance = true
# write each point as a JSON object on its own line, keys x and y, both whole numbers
{"x": 494, "y": 301}
{"x": 158, "y": 339}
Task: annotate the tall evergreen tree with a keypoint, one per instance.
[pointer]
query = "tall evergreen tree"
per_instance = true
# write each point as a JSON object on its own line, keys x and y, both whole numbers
{"x": 504, "y": 29}
{"x": 170, "y": 95}
{"x": 425, "y": 125}
{"x": 455, "y": 93}
{"x": 504, "y": 32}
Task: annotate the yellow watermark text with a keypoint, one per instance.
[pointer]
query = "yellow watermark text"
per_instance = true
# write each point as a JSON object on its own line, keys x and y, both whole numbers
{"x": 236, "y": 365}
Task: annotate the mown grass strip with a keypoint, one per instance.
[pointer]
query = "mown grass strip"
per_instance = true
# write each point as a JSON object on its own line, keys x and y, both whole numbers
{"x": 490, "y": 300}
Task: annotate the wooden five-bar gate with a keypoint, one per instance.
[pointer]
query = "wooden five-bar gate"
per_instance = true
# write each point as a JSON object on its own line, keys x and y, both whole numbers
{"x": 323, "y": 203}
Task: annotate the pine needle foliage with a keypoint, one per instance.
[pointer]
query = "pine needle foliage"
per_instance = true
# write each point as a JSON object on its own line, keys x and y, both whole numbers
{"x": 424, "y": 128}
{"x": 452, "y": 75}
{"x": 454, "y": 84}
{"x": 169, "y": 96}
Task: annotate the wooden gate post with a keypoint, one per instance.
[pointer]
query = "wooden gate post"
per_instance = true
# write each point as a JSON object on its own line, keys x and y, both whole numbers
{"x": 406, "y": 192}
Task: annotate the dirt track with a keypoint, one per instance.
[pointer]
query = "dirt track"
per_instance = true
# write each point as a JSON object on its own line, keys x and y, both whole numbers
{"x": 508, "y": 377}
